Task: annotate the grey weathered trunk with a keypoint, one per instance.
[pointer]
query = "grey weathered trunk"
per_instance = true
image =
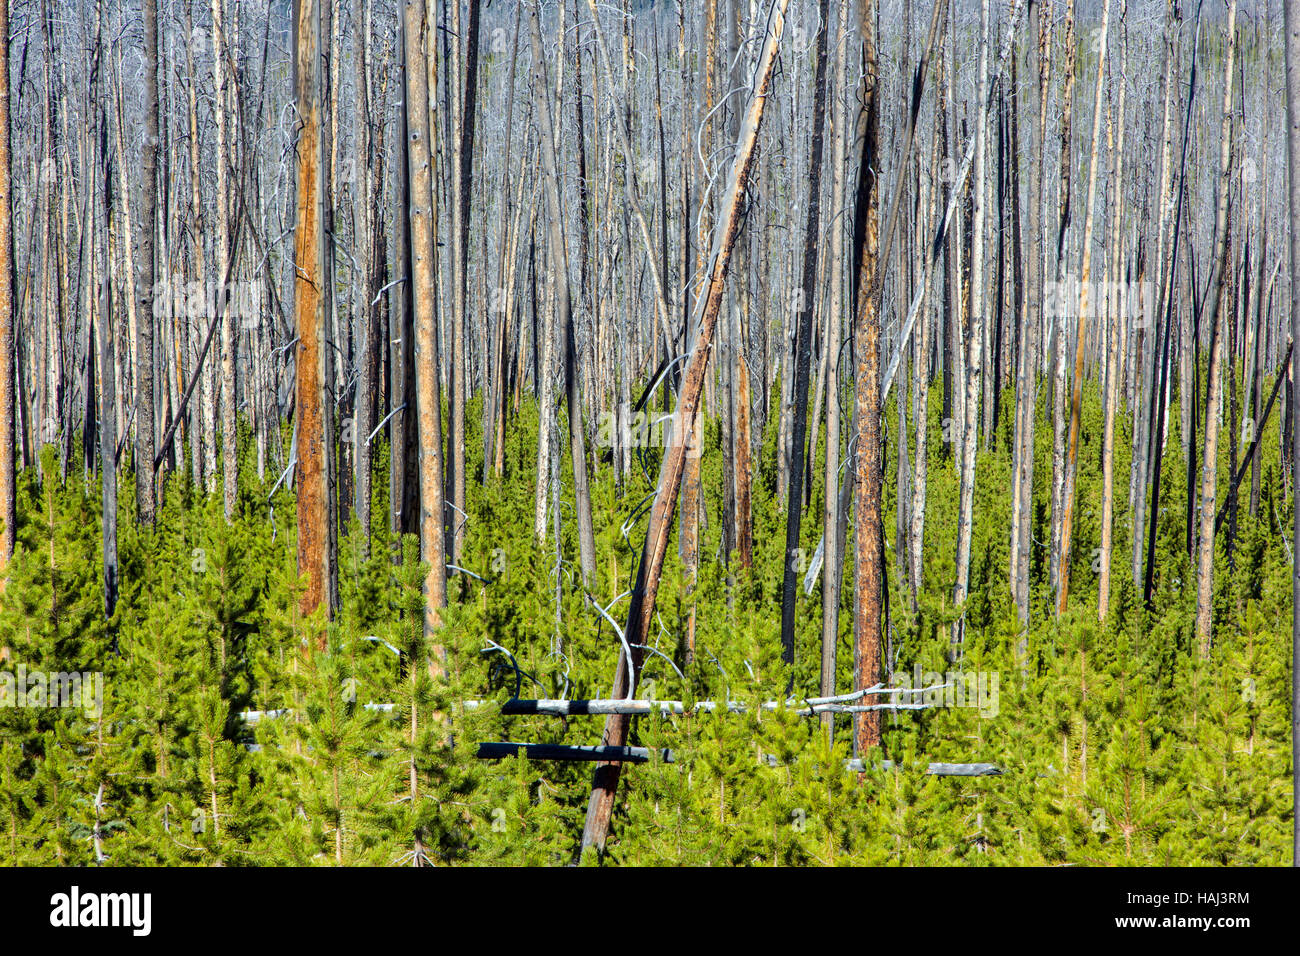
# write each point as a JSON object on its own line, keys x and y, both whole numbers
{"x": 1218, "y": 285}
{"x": 975, "y": 337}
{"x": 794, "y": 507}
{"x": 559, "y": 275}
{"x": 146, "y": 277}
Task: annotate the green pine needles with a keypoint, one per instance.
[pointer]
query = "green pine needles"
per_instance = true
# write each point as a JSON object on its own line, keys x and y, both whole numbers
{"x": 222, "y": 737}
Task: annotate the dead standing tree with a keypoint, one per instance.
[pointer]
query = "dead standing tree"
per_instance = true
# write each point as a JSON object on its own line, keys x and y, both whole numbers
{"x": 146, "y": 277}
{"x": 309, "y": 305}
{"x": 975, "y": 337}
{"x": 423, "y": 214}
{"x": 1292, "y": 53}
{"x": 8, "y": 498}
{"x": 1071, "y": 464}
{"x": 1221, "y": 268}
{"x": 1031, "y": 319}
{"x": 832, "y": 569}
{"x": 559, "y": 274}
{"x": 463, "y": 176}
{"x": 803, "y": 346}
{"x": 102, "y": 219}
{"x": 870, "y": 385}
{"x": 869, "y": 560}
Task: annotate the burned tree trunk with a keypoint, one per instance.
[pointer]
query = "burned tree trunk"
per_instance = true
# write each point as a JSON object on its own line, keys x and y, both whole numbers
{"x": 309, "y": 306}
{"x": 1032, "y": 318}
{"x": 869, "y": 559}
{"x": 8, "y": 342}
{"x": 463, "y": 174}
{"x": 803, "y": 346}
{"x": 832, "y": 567}
{"x": 975, "y": 337}
{"x": 422, "y": 213}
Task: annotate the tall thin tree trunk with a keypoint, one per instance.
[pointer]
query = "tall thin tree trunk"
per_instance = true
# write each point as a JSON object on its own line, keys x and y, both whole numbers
{"x": 921, "y": 382}
{"x": 309, "y": 305}
{"x": 1148, "y": 443}
{"x": 1113, "y": 333}
{"x": 108, "y": 396}
{"x": 1221, "y": 267}
{"x": 8, "y": 343}
{"x": 975, "y": 337}
{"x": 1032, "y": 321}
{"x": 1060, "y": 336}
{"x": 463, "y": 173}
{"x": 366, "y": 312}
{"x": 423, "y": 216}
{"x": 868, "y": 540}
{"x": 1291, "y": 16}
{"x": 146, "y": 277}
{"x": 559, "y": 275}
{"x": 832, "y": 568}
{"x": 1085, "y": 278}
{"x": 229, "y": 443}
{"x": 803, "y": 340}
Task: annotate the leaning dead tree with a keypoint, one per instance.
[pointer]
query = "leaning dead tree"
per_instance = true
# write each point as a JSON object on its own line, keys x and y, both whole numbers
{"x": 709, "y": 304}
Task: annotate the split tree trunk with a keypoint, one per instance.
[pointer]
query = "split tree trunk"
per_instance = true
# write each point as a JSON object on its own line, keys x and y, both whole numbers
{"x": 803, "y": 345}
{"x": 868, "y": 536}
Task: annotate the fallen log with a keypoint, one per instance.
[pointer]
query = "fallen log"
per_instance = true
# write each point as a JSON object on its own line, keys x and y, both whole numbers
{"x": 566, "y": 752}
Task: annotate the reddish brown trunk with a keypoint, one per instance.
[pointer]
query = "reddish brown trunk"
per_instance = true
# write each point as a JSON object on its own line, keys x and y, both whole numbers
{"x": 309, "y": 305}
{"x": 868, "y": 589}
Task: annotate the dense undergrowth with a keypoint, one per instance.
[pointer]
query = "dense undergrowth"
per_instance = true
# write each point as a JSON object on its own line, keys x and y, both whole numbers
{"x": 1119, "y": 745}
